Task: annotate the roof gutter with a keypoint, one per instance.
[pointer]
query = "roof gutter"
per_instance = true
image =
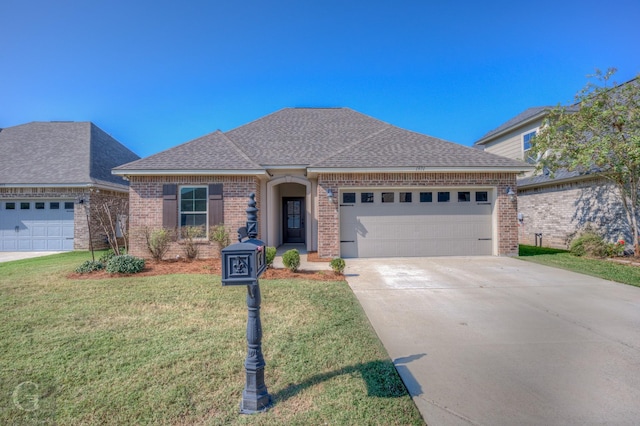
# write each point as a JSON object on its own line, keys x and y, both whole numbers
{"x": 159, "y": 172}
{"x": 420, "y": 169}
{"x": 113, "y": 187}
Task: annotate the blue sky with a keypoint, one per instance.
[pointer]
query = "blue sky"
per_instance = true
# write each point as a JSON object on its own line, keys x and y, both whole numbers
{"x": 155, "y": 74}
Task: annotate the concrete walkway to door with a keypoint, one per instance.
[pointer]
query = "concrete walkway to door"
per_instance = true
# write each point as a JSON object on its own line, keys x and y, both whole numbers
{"x": 500, "y": 341}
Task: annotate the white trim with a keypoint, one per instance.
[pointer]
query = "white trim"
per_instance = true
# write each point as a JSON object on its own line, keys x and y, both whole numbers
{"x": 421, "y": 169}
{"x": 156, "y": 172}
{"x": 114, "y": 187}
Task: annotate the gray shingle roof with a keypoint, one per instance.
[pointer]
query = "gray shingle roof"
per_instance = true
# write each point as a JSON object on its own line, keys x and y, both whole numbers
{"x": 523, "y": 117}
{"x": 396, "y": 147}
{"x": 214, "y": 151}
{"x": 318, "y": 138}
{"x": 58, "y": 153}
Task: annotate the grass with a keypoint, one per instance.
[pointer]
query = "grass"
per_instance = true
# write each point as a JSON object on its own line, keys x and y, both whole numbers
{"x": 600, "y": 268}
{"x": 170, "y": 350}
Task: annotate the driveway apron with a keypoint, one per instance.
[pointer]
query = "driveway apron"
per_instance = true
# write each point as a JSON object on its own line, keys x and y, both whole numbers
{"x": 500, "y": 341}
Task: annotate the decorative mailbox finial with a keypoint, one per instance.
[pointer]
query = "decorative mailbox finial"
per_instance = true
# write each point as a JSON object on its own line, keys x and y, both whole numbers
{"x": 252, "y": 217}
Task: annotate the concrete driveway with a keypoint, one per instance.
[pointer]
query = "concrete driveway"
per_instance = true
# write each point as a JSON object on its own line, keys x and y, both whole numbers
{"x": 500, "y": 341}
{"x": 7, "y": 256}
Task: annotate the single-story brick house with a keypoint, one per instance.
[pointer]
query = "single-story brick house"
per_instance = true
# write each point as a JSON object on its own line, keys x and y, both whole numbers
{"x": 50, "y": 172}
{"x": 555, "y": 208}
{"x": 338, "y": 181}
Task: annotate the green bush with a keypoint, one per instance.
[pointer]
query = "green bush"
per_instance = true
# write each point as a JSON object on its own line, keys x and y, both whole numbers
{"x": 190, "y": 235}
{"x": 589, "y": 243}
{"x": 89, "y": 266}
{"x": 291, "y": 260}
{"x": 158, "y": 241}
{"x": 220, "y": 235}
{"x": 337, "y": 265}
{"x": 109, "y": 254}
{"x": 271, "y": 254}
{"x": 125, "y": 264}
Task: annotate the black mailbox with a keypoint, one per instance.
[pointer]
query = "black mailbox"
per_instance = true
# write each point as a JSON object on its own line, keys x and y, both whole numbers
{"x": 243, "y": 263}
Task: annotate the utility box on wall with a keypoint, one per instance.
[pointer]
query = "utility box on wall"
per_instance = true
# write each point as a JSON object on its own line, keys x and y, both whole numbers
{"x": 243, "y": 263}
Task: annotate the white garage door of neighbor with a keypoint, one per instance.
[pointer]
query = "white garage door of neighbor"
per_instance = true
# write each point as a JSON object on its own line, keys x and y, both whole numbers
{"x": 36, "y": 225}
{"x": 425, "y": 222}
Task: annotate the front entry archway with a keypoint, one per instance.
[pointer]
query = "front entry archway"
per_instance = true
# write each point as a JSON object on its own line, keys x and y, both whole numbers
{"x": 289, "y": 211}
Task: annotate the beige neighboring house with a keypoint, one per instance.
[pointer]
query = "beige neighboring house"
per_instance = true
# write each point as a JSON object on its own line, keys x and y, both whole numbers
{"x": 49, "y": 173}
{"x": 338, "y": 181}
{"x": 553, "y": 208}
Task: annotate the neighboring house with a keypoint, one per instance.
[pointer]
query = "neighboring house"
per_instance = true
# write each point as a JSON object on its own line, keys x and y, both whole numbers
{"x": 552, "y": 210}
{"x": 49, "y": 173}
{"x": 335, "y": 180}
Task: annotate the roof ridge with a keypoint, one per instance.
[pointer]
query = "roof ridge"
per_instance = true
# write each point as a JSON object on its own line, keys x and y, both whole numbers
{"x": 237, "y": 148}
{"x": 388, "y": 126}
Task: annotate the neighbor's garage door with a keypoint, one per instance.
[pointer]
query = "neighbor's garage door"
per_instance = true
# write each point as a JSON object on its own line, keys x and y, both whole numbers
{"x": 36, "y": 225}
{"x": 399, "y": 223}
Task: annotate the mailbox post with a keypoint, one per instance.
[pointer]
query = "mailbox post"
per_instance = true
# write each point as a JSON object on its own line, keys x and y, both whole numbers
{"x": 242, "y": 264}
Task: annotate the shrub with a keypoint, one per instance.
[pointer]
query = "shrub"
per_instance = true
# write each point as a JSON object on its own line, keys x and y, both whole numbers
{"x": 125, "y": 264}
{"x": 291, "y": 260}
{"x": 189, "y": 235}
{"x": 589, "y": 243}
{"x": 109, "y": 254}
{"x": 337, "y": 265}
{"x": 158, "y": 241}
{"x": 220, "y": 235}
{"x": 271, "y": 255}
{"x": 89, "y": 266}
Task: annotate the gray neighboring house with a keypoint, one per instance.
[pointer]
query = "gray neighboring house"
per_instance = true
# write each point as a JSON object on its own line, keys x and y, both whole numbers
{"x": 338, "y": 181}
{"x": 554, "y": 209}
{"x": 46, "y": 169}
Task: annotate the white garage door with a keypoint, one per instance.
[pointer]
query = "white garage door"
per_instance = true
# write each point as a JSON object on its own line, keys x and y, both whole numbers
{"x": 36, "y": 225}
{"x": 425, "y": 222}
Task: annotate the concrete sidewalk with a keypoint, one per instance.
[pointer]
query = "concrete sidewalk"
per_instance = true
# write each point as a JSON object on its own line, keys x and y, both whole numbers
{"x": 8, "y": 256}
{"x": 501, "y": 341}
{"x": 305, "y": 265}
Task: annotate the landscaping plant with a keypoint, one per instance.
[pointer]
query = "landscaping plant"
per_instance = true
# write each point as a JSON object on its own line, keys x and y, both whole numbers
{"x": 291, "y": 260}
{"x": 190, "y": 236}
{"x": 337, "y": 265}
{"x": 271, "y": 255}
{"x": 158, "y": 241}
{"x": 125, "y": 264}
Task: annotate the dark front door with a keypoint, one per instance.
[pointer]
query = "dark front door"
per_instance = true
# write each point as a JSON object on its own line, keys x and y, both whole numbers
{"x": 293, "y": 208}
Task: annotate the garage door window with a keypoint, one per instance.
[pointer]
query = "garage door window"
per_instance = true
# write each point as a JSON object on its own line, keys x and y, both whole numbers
{"x": 482, "y": 196}
{"x": 464, "y": 197}
{"x": 10, "y": 206}
{"x": 405, "y": 197}
{"x": 54, "y": 205}
{"x": 426, "y": 197}
{"x": 444, "y": 197}
{"x": 349, "y": 198}
{"x": 388, "y": 197}
{"x": 25, "y": 206}
{"x": 366, "y": 197}
{"x": 68, "y": 205}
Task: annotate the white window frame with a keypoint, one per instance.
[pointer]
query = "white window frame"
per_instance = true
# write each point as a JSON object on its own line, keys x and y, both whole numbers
{"x": 206, "y": 209}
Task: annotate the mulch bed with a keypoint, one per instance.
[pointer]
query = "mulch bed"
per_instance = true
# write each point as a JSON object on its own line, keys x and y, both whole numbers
{"x": 209, "y": 266}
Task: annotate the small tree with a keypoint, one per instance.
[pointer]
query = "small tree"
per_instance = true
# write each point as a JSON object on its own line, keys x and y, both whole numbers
{"x": 110, "y": 215}
{"x": 599, "y": 133}
{"x": 158, "y": 241}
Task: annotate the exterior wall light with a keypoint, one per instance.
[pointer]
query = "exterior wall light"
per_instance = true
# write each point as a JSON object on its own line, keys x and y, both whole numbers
{"x": 511, "y": 194}
{"x": 330, "y": 195}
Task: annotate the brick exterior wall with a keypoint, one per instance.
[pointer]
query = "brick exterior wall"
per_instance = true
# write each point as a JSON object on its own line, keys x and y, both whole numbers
{"x": 145, "y": 206}
{"x": 561, "y": 210}
{"x": 329, "y": 221}
{"x": 80, "y": 228}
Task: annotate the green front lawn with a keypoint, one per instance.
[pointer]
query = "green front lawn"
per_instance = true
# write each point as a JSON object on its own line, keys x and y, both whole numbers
{"x": 170, "y": 350}
{"x": 600, "y": 268}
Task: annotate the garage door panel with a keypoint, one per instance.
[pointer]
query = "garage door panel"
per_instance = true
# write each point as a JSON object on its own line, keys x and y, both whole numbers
{"x": 416, "y": 229}
{"x": 37, "y": 228}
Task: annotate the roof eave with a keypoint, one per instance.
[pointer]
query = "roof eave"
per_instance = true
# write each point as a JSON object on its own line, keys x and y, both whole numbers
{"x": 487, "y": 139}
{"x": 419, "y": 169}
{"x": 182, "y": 172}
{"x": 551, "y": 182}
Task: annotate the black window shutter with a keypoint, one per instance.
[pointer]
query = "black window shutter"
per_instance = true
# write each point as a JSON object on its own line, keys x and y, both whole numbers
{"x": 170, "y": 206}
{"x": 216, "y": 204}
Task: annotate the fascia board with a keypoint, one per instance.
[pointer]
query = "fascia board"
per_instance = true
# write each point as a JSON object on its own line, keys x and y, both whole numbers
{"x": 242, "y": 172}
